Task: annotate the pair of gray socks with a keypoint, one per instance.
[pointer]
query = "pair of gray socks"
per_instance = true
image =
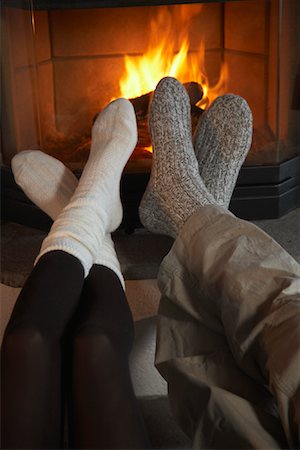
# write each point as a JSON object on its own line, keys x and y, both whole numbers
{"x": 187, "y": 175}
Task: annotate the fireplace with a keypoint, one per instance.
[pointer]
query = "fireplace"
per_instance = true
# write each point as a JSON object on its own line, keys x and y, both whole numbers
{"x": 65, "y": 60}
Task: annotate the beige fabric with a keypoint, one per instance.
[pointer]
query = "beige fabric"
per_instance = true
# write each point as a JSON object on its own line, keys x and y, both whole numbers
{"x": 229, "y": 334}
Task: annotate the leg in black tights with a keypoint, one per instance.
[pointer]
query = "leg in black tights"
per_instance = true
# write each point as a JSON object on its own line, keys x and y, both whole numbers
{"x": 31, "y": 353}
{"x": 104, "y": 410}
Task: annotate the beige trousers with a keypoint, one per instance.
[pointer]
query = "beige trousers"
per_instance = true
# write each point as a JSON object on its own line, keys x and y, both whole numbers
{"x": 228, "y": 340}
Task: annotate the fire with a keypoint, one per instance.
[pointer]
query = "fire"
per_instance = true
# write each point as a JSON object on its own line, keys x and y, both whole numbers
{"x": 168, "y": 32}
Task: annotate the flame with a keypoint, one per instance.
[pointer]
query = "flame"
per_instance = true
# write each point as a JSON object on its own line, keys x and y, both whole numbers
{"x": 162, "y": 58}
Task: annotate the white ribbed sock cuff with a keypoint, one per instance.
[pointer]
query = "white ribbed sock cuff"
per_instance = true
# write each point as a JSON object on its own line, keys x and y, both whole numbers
{"x": 112, "y": 266}
{"x": 69, "y": 246}
{"x": 107, "y": 257}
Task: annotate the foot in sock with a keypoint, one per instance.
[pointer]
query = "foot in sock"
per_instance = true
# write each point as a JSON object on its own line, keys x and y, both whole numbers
{"x": 50, "y": 185}
{"x": 95, "y": 208}
{"x": 45, "y": 180}
{"x": 175, "y": 189}
{"x": 114, "y": 136}
{"x": 222, "y": 140}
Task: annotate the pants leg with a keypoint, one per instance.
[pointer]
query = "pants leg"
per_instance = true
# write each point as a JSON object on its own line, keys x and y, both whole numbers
{"x": 103, "y": 408}
{"x": 31, "y": 394}
{"x": 228, "y": 285}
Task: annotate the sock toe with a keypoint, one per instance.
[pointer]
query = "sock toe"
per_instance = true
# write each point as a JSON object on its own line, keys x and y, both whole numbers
{"x": 46, "y": 181}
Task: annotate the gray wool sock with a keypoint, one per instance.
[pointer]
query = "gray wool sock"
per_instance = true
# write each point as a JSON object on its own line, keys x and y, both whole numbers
{"x": 222, "y": 140}
{"x": 175, "y": 189}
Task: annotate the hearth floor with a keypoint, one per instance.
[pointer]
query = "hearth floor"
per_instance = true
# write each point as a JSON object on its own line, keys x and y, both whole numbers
{"x": 140, "y": 255}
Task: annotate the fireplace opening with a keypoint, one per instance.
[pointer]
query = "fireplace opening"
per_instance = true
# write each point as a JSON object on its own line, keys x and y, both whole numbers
{"x": 64, "y": 61}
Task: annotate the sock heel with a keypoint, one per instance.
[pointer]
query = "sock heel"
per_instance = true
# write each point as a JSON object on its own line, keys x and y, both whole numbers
{"x": 152, "y": 215}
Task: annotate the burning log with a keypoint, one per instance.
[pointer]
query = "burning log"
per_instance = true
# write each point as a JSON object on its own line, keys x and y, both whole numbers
{"x": 141, "y": 106}
{"x": 195, "y": 92}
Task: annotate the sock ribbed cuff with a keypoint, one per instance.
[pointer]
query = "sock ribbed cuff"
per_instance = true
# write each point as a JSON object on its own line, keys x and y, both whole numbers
{"x": 71, "y": 247}
{"x": 107, "y": 257}
{"x": 114, "y": 266}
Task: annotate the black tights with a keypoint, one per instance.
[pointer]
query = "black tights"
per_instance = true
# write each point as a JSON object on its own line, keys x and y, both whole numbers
{"x": 67, "y": 334}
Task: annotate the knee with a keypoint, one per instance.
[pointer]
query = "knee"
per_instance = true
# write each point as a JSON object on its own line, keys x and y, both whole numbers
{"x": 22, "y": 342}
{"x": 95, "y": 348}
{"x": 105, "y": 334}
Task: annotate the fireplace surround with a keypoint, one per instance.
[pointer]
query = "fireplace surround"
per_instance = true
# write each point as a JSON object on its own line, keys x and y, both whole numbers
{"x": 64, "y": 60}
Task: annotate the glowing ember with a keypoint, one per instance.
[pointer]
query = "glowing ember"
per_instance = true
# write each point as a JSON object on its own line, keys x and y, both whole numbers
{"x": 142, "y": 73}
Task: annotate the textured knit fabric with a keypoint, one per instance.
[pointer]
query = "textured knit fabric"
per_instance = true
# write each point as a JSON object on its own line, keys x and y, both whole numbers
{"x": 95, "y": 208}
{"x": 45, "y": 180}
{"x": 222, "y": 140}
{"x": 50, "y": 185}
{"x": 175, "y": 189}
{"x": 229, "y": 334}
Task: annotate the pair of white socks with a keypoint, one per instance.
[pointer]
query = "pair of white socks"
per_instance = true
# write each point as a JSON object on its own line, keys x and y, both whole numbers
{"x": 84, "y": 212}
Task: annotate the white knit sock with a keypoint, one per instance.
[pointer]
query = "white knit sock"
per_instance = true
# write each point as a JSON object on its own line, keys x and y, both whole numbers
{"x": 95, "y": 208}
{"x": 50, "y": 185}
{"x": 45, "y": 180}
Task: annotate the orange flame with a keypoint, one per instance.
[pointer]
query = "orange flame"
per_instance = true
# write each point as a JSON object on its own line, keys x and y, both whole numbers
{"x": 170, "y": 27}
